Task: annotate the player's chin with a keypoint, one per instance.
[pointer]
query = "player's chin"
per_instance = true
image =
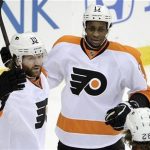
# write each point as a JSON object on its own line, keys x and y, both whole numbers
{"x": 36, "y": 73}
{"x": 96, "y": 46}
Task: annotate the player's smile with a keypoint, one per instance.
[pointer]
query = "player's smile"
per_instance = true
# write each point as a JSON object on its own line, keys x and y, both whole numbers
{"x": 95, "y": 42}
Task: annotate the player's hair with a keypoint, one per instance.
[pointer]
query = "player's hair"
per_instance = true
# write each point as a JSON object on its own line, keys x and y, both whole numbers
{"x": 140, "y": 145}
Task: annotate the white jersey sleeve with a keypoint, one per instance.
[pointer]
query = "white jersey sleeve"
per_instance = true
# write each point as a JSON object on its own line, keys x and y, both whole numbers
{"x": 53, "y": 66}
{"x": 132, "y": 76}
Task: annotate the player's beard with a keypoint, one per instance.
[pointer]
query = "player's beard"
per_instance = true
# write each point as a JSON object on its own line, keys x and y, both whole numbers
{"x": 34, "y": 72}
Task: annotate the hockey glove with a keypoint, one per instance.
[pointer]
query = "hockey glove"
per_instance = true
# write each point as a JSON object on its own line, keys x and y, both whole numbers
{"x": 7, "y": 59}
{"x": 116, "y": 116}
{"x": 3, "y": 101}
{"x": 12, "y": 80}
{"x": 6, "y": 56}
{"x": 139, "y": 100}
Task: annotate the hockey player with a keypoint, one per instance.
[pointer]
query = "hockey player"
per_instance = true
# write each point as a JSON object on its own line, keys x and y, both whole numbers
{"x": 10, "y": 80}
{"x": 96, "y": 72}
{"x": 22, "y": 126}
{"x": 138, "y": 125}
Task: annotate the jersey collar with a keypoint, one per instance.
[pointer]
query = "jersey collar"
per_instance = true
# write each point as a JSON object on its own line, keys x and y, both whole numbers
{"x": 91, "y": 53}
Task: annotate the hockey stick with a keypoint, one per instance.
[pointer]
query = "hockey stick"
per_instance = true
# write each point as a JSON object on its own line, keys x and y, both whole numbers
{"x": 9, "y": 63}
{"x": 2, "y": 26}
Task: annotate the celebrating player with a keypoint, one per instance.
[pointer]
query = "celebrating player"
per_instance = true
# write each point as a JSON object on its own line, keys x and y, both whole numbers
{"x": 22, "y": 126}
{"x": 96, "y": 72}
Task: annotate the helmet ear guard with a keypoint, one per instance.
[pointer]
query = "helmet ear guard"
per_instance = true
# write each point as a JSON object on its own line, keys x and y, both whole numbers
{"x": 138, "y": 122}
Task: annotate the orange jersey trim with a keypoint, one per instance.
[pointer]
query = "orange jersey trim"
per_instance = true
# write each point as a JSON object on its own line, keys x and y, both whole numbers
{"x": 1, "y": 113}
{"x": 134, "y": 52}
{"x": 95, "y": 53}
{"x": 118, "y": 47}
{"x": 38, "y": 81}
{"x": 44, "y": 72}
{"x": 69, "y": 39}
{"x": 85, "y": 126}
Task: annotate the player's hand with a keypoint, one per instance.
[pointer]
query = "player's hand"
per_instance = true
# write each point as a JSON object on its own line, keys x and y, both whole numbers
{"x": 5, "y": 56}
{"x": 12, "y": 80}
{"x": 3, "y": 102}
{"x": 116, "y": 116}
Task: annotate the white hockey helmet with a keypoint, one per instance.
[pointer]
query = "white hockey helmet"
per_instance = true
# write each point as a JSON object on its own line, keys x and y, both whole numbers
{"x": 26, "y": 44}
{"x": 97, "y": 13}
{"x": 138, "y": 122}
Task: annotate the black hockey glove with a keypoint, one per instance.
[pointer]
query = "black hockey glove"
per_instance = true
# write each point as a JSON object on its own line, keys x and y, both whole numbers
{"x": 6, "y": 56}
{"x": 139, "y": 100}
{"x": 116, "y": 116}
{"x": 12, "y": 80}
{"x": 3, "y": 101}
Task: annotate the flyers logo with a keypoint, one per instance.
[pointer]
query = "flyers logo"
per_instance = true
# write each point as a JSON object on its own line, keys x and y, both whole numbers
{"x": 94, "y": 83}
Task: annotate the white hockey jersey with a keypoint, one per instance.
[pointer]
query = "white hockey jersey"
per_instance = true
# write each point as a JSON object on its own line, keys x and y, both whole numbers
{"x": 22, "y": 126}
{"x": 95, "y": 83}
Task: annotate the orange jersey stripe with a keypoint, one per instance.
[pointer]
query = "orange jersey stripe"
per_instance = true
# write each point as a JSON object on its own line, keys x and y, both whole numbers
{"x": 85, "y": 126}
